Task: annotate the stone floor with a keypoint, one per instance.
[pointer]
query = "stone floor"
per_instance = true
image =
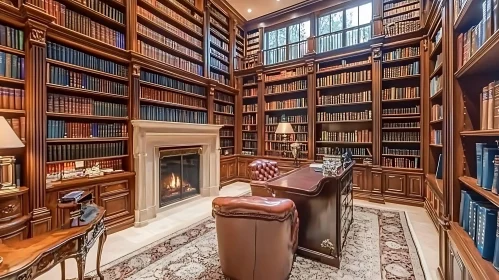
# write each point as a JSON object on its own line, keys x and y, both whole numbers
{"x": 176, "y": 218}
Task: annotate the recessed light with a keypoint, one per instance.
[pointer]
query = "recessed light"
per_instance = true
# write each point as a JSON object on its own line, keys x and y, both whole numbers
{"x": 249, "y": 10}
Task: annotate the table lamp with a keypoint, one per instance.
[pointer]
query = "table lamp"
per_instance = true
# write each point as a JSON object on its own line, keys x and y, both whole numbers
{"x": 8, "y": 140}
{"x": 284, "y": 128}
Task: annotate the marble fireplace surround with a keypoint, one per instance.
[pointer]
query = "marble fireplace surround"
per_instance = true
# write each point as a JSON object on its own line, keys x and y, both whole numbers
{"x": 148, "y": 137}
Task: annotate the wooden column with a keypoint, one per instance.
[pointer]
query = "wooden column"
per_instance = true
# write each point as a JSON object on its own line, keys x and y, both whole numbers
{"x": 376, "y": 187}
{"x": 210, "y": 103}
{"x": 260, "y": 115}
{"x": 311, "y": 108}
{"x": 133, "y": 108}
{"x": 232, "y": 50}
{"x": 238, "y": 115}
{"x": 131, "y": 26}
{"x": 377, "y": 18}
{"x": 36, "y": 118}
{"x": 206, "y": 43}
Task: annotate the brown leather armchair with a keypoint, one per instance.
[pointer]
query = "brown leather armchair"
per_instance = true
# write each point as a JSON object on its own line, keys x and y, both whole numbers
{"x": 262, "y": 170}
{"x": 257, "y": 236}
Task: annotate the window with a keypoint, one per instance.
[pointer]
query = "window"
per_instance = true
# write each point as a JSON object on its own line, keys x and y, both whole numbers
{"x": 344, "y": 28}
{"x": 286, "y": 43}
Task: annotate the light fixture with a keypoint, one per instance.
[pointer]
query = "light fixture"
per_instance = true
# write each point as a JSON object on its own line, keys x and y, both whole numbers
{"x": 249, "y": 10}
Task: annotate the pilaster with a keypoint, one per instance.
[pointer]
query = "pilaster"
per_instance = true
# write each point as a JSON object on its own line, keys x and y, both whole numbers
{"x": 210, "y": 103}
{"x": 260, "y": 116}
{"x": 310, "y": 64}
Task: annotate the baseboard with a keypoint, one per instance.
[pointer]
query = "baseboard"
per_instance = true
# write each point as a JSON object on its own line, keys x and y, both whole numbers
{"x": 119, "y": 225}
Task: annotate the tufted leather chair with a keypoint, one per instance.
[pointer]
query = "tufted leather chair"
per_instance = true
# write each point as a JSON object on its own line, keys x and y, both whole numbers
{"x": 257, "y": 236}
{"x": 262, "y": 170}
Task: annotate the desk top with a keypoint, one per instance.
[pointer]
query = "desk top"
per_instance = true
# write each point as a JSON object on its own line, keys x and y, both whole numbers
{"x": 19, "y": 255}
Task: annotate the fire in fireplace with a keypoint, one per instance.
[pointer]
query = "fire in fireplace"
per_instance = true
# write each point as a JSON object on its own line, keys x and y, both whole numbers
{"x": 179, "y": 174}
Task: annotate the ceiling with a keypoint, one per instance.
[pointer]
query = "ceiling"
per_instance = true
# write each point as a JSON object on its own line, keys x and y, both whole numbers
{"x": 260, "y": 7}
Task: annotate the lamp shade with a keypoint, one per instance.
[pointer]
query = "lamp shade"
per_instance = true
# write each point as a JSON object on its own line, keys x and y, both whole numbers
{"x": 8, "y": 138}
{"x": 284, "y": 128}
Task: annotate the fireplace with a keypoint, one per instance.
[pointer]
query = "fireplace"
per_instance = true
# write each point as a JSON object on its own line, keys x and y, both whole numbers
{"x": 179, "y": 174}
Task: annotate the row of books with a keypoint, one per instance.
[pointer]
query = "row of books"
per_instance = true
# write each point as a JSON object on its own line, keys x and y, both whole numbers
{"x": 489, "y": 106}
{"x": 11, "y": 66}
{"x": 280, "y": 138}
{"x": 394, "y": 93}
{"x": 219, "y": 43}
{"x": 479, "y": 218}
{"x": 218, "y": 15}
{"x": 85, "y": 25}
{"x": 221, "y": 78}
{"x": 344, "y": 98}
{"x": 64, "y": 77}
{"x": 351, "y": 136}
{"x": 401, "y": 53}
{"x": 344, "y": 116}
{"x": 172, "y": 44}
{"x": 401, "y": 125}
{"x": 436, "y": 136}
{"x": 400, "y": 152}
{"x": 402, "y": 17}
{"x": 224, "y": 97}
{"x": 219, "y": 65}
{"x": 405, "y": 110}
{"x": 401, "y": 71}
{"x": 401, "y": 27}
{"x": 171, "y": 97}
{"x": 219, "y": 55}
{"x": 220, "y": 119}
{"x": 250, "y": 136}
{"x": 250, "y": 92}
{"x": 226, "y": 132}
{"x": 64, "y": 129}
{"x": 11, "y": 98}
{"x": 393, "y": 5}
{"x": 279, "y": 147}
{"x": 168, "y": 58}
{"x": 65, "y": 54}
{"x": 344, "y": 78}
{"x": 215, "y": 23}
{"x": 343, "y": 64}
{"x": 250, "y": 108}
{"x": 253, "y": 35}
{"x": 298, "y": 128}
{"x": 19, "y": 126}
{"x": 226, "y": 142}
{"x": 286, "y": 104}
{"x": 63, "y": 152}
{"x": 103, "y": 8}
{"x": 435, "y": 85}
{"x": 298, "y": 71}
{"x": 354, "y": 151}
{"x": 401, "y": 136}
{"x": 400, "y": 162}
{"x": 155, "y": 113}
{"x": 11, "y": 37}
{"x": 171, "y": 83}
{"x": 223, "y": 108}
{"x": 487, "y": 157}
{"x": 437, "y": 112}
{"x": 249, "y": 119}
{"x": 58, "y": 103}
{"x": 171, "y": 14}
{"x": 330, "y": 42}
{"x": 56, "y": 171}
{"x": 291, "y": 119}
{"x": 219, "y": 35}
{"x": 403, "y": 9}
{"x": 250, "y": 145}
{"x": 291, "y": 86}
{"x": 169, "y": 27}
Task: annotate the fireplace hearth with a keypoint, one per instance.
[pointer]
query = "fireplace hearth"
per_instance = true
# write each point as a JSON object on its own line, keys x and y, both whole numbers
{"x": 179, "y": 174}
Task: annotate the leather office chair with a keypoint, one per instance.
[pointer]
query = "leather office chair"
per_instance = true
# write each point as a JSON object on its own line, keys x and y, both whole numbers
{"x": 257, "y": 236}
{"x": 262, "y": 170}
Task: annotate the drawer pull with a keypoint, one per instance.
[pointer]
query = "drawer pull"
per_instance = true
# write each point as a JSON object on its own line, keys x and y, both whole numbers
{"x": 391, "y": 176}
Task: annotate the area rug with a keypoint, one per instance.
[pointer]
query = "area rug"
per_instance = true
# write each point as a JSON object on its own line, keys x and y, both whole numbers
{"x": 379, "y": 246}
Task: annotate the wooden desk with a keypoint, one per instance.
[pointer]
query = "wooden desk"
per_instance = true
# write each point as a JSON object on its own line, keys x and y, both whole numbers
{"x": 30, "y": 258}
{"x": 325, "y": 209}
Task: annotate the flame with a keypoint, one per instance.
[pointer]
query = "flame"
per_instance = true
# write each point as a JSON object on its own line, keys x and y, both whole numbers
{"x": 173, "y": 182}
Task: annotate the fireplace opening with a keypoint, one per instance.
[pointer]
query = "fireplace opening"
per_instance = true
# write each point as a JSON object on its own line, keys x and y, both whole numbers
{"x": 179, "y": 174}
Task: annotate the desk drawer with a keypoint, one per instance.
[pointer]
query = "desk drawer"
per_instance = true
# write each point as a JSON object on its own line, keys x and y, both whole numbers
{"x": 113, "y": 187}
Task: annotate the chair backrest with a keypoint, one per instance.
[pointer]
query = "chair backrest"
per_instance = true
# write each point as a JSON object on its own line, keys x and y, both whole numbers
{"x": 263, "y": 170}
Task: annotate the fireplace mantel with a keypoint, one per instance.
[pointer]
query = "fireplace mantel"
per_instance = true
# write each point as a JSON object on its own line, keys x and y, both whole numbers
{"x": 148, "y": 137}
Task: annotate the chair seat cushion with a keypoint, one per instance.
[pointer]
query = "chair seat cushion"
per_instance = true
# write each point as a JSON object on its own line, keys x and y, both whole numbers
{"x": 268, "y": 208}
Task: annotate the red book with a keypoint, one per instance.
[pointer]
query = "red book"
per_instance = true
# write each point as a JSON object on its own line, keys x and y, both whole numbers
{"x": 12, "y": 103}
{"x": 17, "y": 99}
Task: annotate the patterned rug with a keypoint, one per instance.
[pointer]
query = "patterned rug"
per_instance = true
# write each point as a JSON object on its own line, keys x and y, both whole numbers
{"x": 379, "y": 246}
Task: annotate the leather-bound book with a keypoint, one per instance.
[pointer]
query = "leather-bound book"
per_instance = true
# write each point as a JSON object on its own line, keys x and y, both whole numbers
{"x": 496, "y": 105}
{"x": 17, "y": 99}
{"x": 16, "y": 126}
{"x": 486, "y": 230}
{"x": 488, "y": 167}
{"x": 12, "y": 100}
{"x": 483, "y": 108}
{"x": 23, "y": 128}
{"x": 490, "y": 106}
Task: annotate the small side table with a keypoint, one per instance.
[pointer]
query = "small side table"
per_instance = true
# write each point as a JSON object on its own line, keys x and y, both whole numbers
{"x": 32, "y": 257}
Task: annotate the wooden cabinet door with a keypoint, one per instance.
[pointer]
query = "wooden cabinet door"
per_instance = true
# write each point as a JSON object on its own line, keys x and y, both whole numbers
{"x": 242, "y": 167}
{"x": 415, "y": 188}
{"x": 232, "y": 169}
{"x": 116, "y": 205}
{"x": 224, "y": 171}
{"x": 394, "y": 184}
{"x": 358, "y": 180}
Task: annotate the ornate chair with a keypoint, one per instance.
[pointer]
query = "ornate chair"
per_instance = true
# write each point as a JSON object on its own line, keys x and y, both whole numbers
{"x": 262, "y": 170}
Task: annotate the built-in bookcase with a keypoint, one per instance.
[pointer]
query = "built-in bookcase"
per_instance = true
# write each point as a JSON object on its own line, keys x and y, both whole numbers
{"x": 344, "y": 107}
{"x": 401, "y": 108}
{"x": 250, "y": 115}
{"x": 401, "y": 16}
{"x": 219, "y": 60}
{"x": 171, "y": 32}
{"x": 285, "y": 97}
{"x": 239, "y": 48}
{"x": 253, "y": 48}
{"x": 12, "y": 95}
{"x": 223, "y": 110}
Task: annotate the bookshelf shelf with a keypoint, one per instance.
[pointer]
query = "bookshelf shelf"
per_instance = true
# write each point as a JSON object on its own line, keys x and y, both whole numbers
{"x": 250, "y": 112}
{"x": 227, "y": 147}
{"x": 401, "y": 142}
{"x": 165, "y": 103}
{"x": 165, "y": 47}
{"x": 437, "y": 121}
{"x": 401, "y": 78}
{"x": 401, "y": 116}
{"x": 392, "y": 155}
{"x": 286, "y": 109}
{"x": 339, "y": 69}
{"x": 483, "y": 61}
{"x": 87, "y": 70}
{"x": 12, "y": 112}
{"x": 11, "y": 81}
{"x": 410, "y": 58}
{"x": 88, "y": 117}
{"x": 223, "y": 101}
{"x": 344, "y": 143}
{"x": 285, "y": 92}
{"x": 86, "y": 92}
{"x": 88, "y": 159}
{"x": 153, "y": 85}
{"x": 250, "y": 97}
{"x": 344, "y": 104}
{"x": 80, "y": 8}
{"x": 290, "y": 142}
{"x": 437, "y": 94}
{"x": 436, "y": 145}
{"x": 219, "y": 36}
{"x": 11, "y": 50}
{"x": 402, "y": 100}
{"x": 401, "y": 168}
{"x": 292, "y": 123}
{"x": 490, "y": 132}
{"x": 222, "y": 50}
{"x": 438, "y": 70}
{"x": 223, "y": 113}
{"x": 477, "y": 266}
{"x": 288, "y": 78}
{"x": 88, "y": 181}
{"x": 348, "y": 121}
{"x": 436, "y": 184}
{"x": 219, "y": 70}
{"x": 345, "y": 85}
{"x": 470, "y": 183}
{"x": 401, "y": 128}
{"x": 184, "y": 13}
{"x": 250, "y": 85}
{"x": 437, "y": 49}
{"x": 96, "y": 139}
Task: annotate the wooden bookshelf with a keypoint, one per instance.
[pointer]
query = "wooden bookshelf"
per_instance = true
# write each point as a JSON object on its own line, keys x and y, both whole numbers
{"x": 400, "y": 18}
{"x": 224, "y": 114}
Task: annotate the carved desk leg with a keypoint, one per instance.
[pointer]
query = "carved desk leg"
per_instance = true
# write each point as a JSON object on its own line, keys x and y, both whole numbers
{"x": 102, "y": 240}
{"x": 80, "y": 262}
{"x": 63, "y": 270}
